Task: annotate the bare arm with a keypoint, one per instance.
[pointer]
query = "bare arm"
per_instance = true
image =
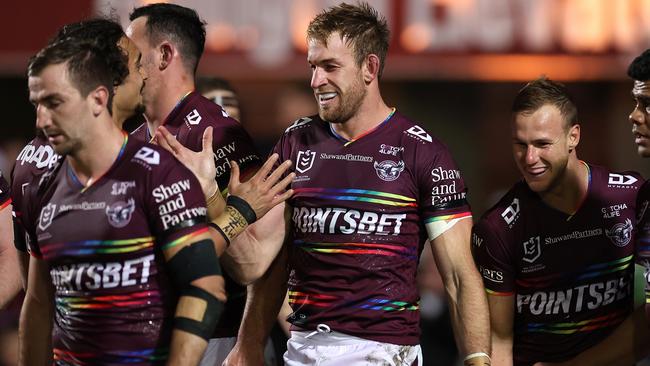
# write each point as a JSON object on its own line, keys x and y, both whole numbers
{"x": 36, "y": 316}
{"x": 263, "y": 302}
{"x": 502, "y": 311}
{"x": 464, "y": 288}
{"x": 9, "y": 269}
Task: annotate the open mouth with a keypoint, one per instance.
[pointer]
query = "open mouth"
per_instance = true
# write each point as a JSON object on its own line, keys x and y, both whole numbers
{"x": 324, "y": 98}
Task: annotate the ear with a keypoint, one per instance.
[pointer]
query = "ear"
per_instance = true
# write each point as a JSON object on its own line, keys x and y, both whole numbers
{"x": 166, "y": 54}
{"x": 574, "y": 137}
{"x": 370, "y": 68}
{"x": 98, "y": 99}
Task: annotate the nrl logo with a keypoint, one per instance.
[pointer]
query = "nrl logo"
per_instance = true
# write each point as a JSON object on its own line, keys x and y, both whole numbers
{"x": 532, "y": 249}
{"x": 305, "y": 160}
{"x": 47, "y": 215}
{"x": 621, "y": 233}
{"x": 389, "y": 170}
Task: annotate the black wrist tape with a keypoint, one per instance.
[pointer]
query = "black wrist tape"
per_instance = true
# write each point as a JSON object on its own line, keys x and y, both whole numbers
{"x": 243, "y": 207}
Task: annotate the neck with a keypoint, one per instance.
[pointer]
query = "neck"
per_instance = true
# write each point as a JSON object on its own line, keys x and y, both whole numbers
{"x": 170, "y": 92}
{"x": 372, "y": 112}
{"x": 570, "y": 191}
{"x": 97, "y": 154}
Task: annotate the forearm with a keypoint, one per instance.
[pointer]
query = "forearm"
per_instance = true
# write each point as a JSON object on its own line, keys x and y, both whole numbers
{"x": 469, "y": 314}
{"x": 11, "y": 276}
{"x": 186, "y": 349}
{"x": 35, "y": 333}
{"x": 264, "y": 299}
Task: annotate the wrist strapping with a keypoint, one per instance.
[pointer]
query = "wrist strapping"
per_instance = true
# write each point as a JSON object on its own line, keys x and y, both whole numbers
{"x": 469, "y": 359}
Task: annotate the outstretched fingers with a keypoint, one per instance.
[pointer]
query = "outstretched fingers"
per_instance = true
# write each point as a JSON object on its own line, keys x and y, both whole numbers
{"x": 168, "y": 141}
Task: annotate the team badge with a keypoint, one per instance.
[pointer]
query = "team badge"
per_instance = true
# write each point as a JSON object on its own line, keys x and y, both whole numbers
{"x": 621, "y": 233}
{"x": 47, "y": 215}
{"x": 119, "y": 213}
{"x": 305, "y": 160}
{"x": 532, "y": 249}
{"x": 389, "y": 170}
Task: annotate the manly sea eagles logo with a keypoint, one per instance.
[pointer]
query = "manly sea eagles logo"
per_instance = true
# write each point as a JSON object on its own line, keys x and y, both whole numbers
{"x": 47, "y": 214}
{"x": 389, "y": 170}
{"x": 119, "y": 213}
{"x": 532, "y": 249}
{"x": 621, "y": 233}
{"x": 305, "y": 160}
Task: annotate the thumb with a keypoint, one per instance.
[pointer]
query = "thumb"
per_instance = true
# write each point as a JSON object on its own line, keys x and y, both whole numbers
{"x": 207, "y": 140}
{"x": 234, "y": 175}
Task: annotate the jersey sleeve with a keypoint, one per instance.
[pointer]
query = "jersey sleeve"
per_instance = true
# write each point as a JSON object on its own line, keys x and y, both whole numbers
{"x": 643, "y": 236}
{"x": 494, "y": 260}
{"x": 232, "y": 142}
{"x": 174, "y": 202}
{"x": 442, "y": 192}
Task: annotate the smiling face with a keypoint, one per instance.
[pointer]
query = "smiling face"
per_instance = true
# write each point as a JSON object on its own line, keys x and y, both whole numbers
{"x": 336, "y": 79}
{"x": 60, "y": 109}
{"x": 542, "y": 145}
{"x": 640, "y": 117}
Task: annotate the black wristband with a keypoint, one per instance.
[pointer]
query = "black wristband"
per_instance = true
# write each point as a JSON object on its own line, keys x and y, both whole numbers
{"x": 243, "y": 207}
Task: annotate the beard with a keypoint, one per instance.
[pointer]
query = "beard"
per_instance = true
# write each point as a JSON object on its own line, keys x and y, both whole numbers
{"x": 348, "y": 104}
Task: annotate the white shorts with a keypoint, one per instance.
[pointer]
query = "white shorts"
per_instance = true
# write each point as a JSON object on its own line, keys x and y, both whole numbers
{"x": 335, "y": 349}
{"x": 219, "y": 348}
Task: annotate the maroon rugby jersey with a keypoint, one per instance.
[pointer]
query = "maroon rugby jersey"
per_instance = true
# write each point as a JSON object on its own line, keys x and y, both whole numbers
{"x": 230, "y": 141}
{"x": 114, "y": 303}
{"x": 34, "y": 159}
{"x": 359, "y": 213}
{"x": 643, "y": 240}
{"x": 571, "y": 275}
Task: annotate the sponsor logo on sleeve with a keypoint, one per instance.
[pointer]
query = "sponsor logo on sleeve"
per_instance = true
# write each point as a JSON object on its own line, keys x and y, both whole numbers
{"x": 43, "y": 157}
{"x": 390, "y": 150}
{"x": 477, "y": 240}
{"x": 148, "y": 156}
{"x": 193, "y": 118}
{"x": 119, "y": 213}
{"x": 47, "y": 215}
{"x": 305, "y": 160}
{"x": 172, "y": 207}
{"x": 511, "y": 213}
{"x": 491, "y": 274}
{"x": 621, "y": 181}
{"x": 419, "y": 134}
{"x": 444, "y": 190}
{"x": 621, "y": 233}
{"x": 389, "y": 170}
{"x": 532, "y": 249}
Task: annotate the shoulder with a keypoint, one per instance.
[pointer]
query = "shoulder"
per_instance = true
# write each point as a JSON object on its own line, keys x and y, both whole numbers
{"x": 616, "y": 184}
{"x": 414, "y": 135}
{"x": 147, "y": 157}
{"x": 202, "y": 113}
{"x": 505, "y": 214}
{"x": 303, "y": 125}
{"x": 35, "y": 157}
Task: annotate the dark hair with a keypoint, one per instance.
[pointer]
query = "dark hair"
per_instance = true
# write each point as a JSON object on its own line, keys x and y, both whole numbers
{"x": 541, "y": 92}
{"x": 205, "y": 84}
{"x": 639, "y": 69}
{"x": 180, "y": 25}
{"x": 359, "y": 25}
{"x": 92, "y": 54}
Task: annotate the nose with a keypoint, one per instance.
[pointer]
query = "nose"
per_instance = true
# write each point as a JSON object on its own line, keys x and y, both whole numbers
{"x": 43, "y": 118}
{"x": 531, "y": 155}
{"x": 637, "y": 116}
{"x": 318, "y": 78}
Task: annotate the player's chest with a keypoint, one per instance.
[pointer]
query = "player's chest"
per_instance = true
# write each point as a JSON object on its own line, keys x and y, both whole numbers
{"x": 599, "y": 235}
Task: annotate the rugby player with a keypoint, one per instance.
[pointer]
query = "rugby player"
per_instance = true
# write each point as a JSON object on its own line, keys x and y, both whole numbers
{"x": 172, "y": 38}
{"x": 220, "y": 92}
{"x": 372, "y": 188}
{"x": 38, "y": 156}
{"x": 557, "y": 251}
{"x": 142, "y": 284}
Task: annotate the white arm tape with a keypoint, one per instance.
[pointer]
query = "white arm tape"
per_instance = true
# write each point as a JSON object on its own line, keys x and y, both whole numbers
{"x": 437, "y": 228}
